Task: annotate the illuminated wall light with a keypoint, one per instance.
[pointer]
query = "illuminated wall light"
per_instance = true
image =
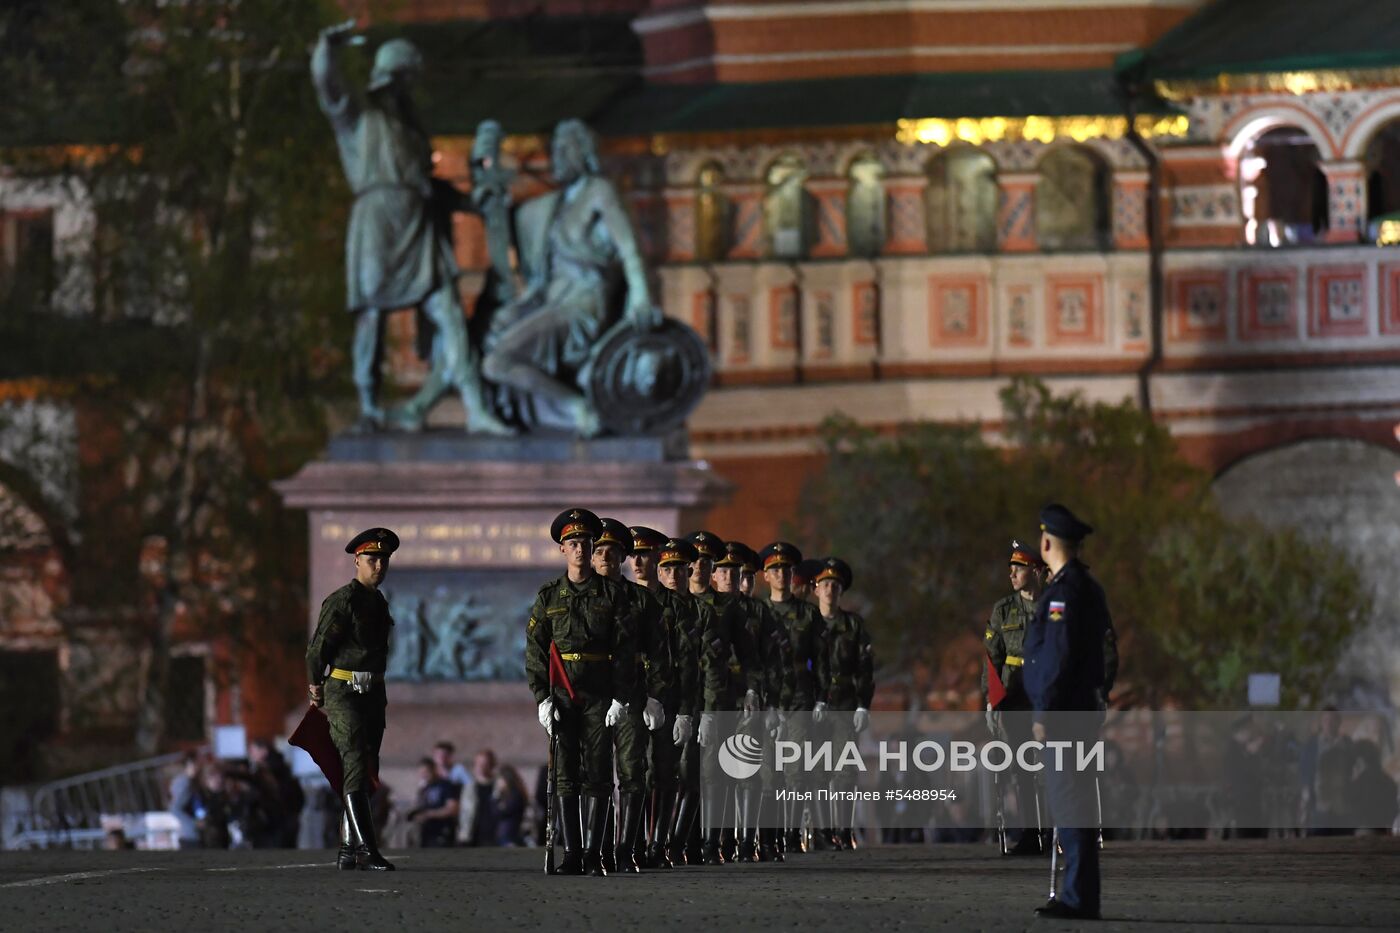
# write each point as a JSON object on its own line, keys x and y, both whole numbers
{"x": 941, "y": 132}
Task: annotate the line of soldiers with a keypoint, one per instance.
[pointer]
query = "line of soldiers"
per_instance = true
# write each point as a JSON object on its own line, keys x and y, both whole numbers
{"x": 640, "y": 670}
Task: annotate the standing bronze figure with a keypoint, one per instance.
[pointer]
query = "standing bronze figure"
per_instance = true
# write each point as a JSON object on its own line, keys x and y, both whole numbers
{"x": 398, "y": 249}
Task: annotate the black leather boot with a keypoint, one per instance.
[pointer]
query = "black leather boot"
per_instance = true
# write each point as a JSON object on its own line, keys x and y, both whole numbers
{"x": 629, "y": 823}
{"x": 658, "y": 856}
{"x": 711, "y": 853}
{"x": 729, "y": 844}
{"x": 767, "y": 847}
{"x": 609, "y": 838}
{"x": 795, "y": 845}
{"x": 595, "y": 815}
{"x": 678, "y": 844}
{"x": 345, "y": 860}
{"x": 362, "y": 825}
{"x": 571, "y": 827}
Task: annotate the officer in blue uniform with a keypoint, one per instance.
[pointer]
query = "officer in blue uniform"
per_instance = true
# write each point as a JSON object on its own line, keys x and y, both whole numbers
{"x": 1064, "y": 676}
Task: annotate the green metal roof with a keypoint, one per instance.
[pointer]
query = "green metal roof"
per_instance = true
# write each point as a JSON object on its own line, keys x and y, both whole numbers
{"x": 1253, "y": 36}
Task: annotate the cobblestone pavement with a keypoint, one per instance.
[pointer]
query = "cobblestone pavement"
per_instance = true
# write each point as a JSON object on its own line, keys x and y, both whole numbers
{"x": 1264, "y": 885}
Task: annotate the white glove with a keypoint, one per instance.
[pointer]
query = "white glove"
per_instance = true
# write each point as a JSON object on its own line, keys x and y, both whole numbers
{"x": 750, "y": 702}
{"x": 654, "y": 715}
{"x": 615, "y": 713}
{"x": 818, "y": 712}
{"x": 862, "y": 719}
{"x": 991, "y": 716}
{"x": 706, "y": 736}
{"x": 770, "y": 721}
{"x": 680, "y": 732}
{"x": 547, "y": 714}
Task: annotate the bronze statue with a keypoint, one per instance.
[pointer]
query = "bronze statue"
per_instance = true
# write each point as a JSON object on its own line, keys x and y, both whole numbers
{"x": 583, "y": 271}
{"x": 398, "y": 249}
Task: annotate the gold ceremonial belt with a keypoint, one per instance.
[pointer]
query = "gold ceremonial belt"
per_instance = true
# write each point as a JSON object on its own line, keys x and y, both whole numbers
{"x": 347, "y": 676}
{"x": 584, "y": 656}
{"x": 1015, "y": 660}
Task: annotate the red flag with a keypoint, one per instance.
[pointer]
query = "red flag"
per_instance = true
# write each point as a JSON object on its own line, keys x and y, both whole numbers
{"x": 996, "y": 691}
{"x": 313, "y": 735}
{"x": 557, "y": 675}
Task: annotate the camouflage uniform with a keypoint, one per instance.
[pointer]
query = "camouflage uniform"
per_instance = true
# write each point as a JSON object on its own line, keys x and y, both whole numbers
{"x": 850, "y": 685}
{"x": 593, "y": 625}
{"x": 1005, "y": 637}
{"x": 352, "y": 634}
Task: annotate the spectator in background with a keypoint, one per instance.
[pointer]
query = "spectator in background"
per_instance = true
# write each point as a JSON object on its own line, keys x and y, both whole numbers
{"x": 209, "y": 806}
{"x": 454, "y": 771}
{"x": 281, "y": 793}
{"x": 1325, "y": 769}
{"x": 182, "y": 790}
{"x": 435, "y": 810}
{"x": 510, "y": 798}
{"x": 1373, "y": 792}
{"x": 457, "y": 773}
{"x": 483, "y": 825}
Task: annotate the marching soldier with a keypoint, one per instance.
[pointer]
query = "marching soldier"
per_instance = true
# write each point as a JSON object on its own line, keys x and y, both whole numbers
{"x": 768, "y": 682}
{"x": 725, "y": 650}
{"x": 352, "y": 641}
{"x": 645, "y": 713}
{"x": 588, "y": 619}
{"x": 663, "y": 565}
{"x": 850, "y": 672}
{"x": 1064, "y": 672}
{"x": 1005, "y": 636}
{"x": 806, "y": 636}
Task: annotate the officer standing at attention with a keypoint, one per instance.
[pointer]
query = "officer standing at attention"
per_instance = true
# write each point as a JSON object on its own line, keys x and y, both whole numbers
{"x": 589, "y": 618}
{"x": 1064, "y": 676}
{"x": 1005, "y": 641}
{"x": 645, "y": 712}
{"x": 850, "y": 683}
{"x": 352, "y": 640}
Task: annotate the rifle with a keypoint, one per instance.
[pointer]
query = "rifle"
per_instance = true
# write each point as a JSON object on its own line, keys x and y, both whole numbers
{"x": 549, "y": 809}
{"x": 556, "y": 669}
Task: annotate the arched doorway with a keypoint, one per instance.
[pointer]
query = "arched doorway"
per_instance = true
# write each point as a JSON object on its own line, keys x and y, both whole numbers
{"x": 1283, "y": 192}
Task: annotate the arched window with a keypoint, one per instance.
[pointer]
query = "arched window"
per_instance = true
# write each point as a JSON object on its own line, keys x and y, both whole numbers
{"x": 711, "y": 214}
{"x": 1283, "y": 192}
{"x": 1071, "y": 200}
{"x": 961, "y": 209}
{"x": 1383, "y": 174}
{"x": 786, "y": 215}
{"x": 865, "y": 206}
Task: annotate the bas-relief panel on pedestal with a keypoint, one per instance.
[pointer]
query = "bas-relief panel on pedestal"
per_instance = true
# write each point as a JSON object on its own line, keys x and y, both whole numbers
{"x": 460, "y": 625}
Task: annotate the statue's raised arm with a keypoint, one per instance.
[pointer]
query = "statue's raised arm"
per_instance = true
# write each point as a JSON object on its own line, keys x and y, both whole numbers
{"x": 331, "y": 90}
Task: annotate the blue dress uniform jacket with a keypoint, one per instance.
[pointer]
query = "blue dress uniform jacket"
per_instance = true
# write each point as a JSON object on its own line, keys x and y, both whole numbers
{"x": 1064, "y": 667}
{"x": 1064, "y": 671}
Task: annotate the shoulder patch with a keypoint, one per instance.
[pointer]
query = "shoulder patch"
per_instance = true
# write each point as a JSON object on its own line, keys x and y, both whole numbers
{"x": 1057, "y": 610}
